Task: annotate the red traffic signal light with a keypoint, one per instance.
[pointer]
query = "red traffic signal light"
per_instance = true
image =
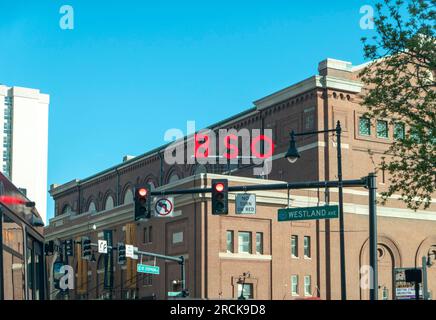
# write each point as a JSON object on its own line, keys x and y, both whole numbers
{"x": 220, "y": 196}
{"x": 219, "y": 187}
{"x": 142, "y": 192}
{"x": 142, "y": 203}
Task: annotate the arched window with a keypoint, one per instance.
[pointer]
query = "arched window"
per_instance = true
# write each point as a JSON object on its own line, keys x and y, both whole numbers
{"x": 109, "y": 204}
{"x": 199, "y": 169}
{"x": 173, "y": 178}
{"x": 151, "y": 184}
{"x": 128, "y": 196}
{"x": 67, "y": 209}
{"x": 92, "y": 208}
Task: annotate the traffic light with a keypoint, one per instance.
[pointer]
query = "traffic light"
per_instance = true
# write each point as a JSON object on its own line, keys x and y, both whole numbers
{"x": 69, "y": 250}
{"x": 121, "y": 253}
{"x": 142, "y": 203}
{"x": 86, "y": 248}
{"x": 220, "y": 196}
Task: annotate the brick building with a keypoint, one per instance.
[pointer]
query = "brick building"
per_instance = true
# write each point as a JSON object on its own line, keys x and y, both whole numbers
{"x": 284, "y": 260}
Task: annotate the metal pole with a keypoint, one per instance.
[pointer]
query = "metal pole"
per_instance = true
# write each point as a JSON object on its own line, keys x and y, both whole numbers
{"x": 182, "y": 275}
{"x": 372, "y": 186}
{"x": 341, "y": 215}
{"x": 275, "y": 186}
{"x": 424, "y": 278}
{"x": 161, "y": 178}
{"x": 1, "y": 256}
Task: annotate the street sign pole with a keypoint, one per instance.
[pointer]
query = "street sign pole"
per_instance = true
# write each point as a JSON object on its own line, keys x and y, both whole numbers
{"x": 180, "y": 260}
{"x": 341, "y": 214}
{"x": 372, "y": 186}
{"x": 182, "y": 275}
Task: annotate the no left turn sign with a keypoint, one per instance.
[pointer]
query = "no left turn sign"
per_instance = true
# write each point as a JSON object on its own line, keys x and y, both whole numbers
{"x": 164, "y": 207}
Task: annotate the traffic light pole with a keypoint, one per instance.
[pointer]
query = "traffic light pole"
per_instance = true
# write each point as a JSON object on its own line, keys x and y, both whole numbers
{"x": 276, "y": 186}
{"x": 180, "y": 260}
{"x": 368, "y": 182}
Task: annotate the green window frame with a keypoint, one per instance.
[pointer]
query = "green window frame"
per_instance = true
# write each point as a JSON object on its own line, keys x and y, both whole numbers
{"x": 382, "y": 129}
{"x": 399, "y": 131}
{"x": 364, "y": 126}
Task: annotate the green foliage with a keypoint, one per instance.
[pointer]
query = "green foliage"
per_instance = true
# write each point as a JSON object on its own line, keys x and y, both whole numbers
{"x": 401, "y": 88}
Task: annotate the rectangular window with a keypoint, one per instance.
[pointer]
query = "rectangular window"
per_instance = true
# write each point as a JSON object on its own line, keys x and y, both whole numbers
{"x": 150, "y": 234}
{"x": 147, "y": 280}
{"x": 307, "y": 286}
{"x": 309, "y": 118}
{"x": 178, "y": 237}
{"x": 382, "y": 129}
{"x": 244, "y": 241}
{"x": 399, "y": 131}
{"x": 246, "y": 290}
{"x": 364, "y": 126}
{"x": 229, "y": 241}
{"x": 294, "y": 246}
{"x": 145, "y": 238}
{"x": 294, "y": 285}
{"x": 307, "y": 247}
{"x": 259, "y": 243}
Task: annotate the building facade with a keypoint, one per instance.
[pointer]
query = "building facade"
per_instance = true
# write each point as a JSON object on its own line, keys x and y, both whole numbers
{"x": 24, "y": 119}
{"x": 256, "y": 254}
{"x": 22, "y": 256}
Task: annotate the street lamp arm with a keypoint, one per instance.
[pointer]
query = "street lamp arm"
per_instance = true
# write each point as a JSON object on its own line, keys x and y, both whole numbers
{"x": 314, "y": 132}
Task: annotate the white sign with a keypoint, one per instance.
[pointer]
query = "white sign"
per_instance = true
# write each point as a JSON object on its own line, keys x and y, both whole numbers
{"x": 102, "y": 246}
{"x": 245, "y": 203}
{"x": 130, "y": 251}
{"x": 164, "y": 207}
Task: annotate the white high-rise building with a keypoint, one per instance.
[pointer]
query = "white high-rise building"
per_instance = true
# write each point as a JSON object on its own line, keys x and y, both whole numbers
{"x": 24, "y": 119}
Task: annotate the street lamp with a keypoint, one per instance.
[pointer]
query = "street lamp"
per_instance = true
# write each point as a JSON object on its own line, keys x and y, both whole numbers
{"x": 293, "y": 155}
{"x": 426, "y": 263}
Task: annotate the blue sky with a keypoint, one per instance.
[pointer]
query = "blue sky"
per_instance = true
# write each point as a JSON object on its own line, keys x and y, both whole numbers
{"x": 130, "y": 70}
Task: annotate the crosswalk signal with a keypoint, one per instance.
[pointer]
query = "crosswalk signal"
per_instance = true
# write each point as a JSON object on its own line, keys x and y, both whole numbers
{"x": 142, "y": 203}
{"x": 220, "y": 196}
{"x": 121, "y": 253}
{"x": 86, "y": 248}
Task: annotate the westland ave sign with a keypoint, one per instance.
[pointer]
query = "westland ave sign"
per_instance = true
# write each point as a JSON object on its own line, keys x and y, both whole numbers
{"x": 309, "y": 213}
{"x": 143, "y": 268}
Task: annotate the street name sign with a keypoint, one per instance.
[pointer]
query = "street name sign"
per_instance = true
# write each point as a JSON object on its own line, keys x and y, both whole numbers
{"x": 245, "y": 203}
{"x": 309, "y": 213}
{"x": 175, "y": 293}
{"x": 143, "y": 268}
